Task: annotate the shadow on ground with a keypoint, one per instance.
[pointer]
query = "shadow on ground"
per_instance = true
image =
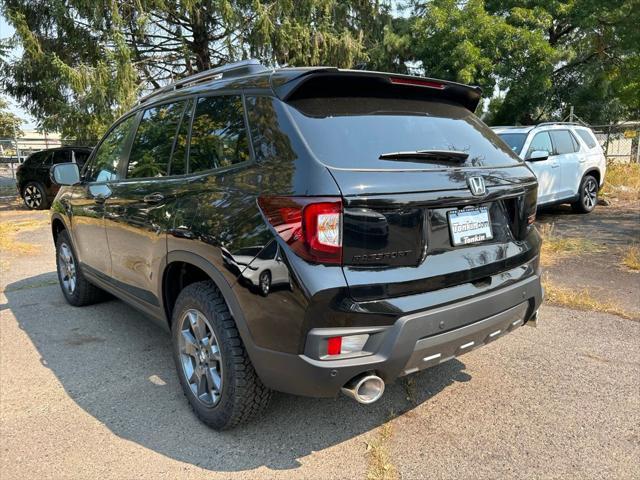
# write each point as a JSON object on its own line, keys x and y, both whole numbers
{"x": 117, "y": 366}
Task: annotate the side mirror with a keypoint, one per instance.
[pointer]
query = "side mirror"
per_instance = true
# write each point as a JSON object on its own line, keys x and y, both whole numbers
{"x": 538, "y": 155}
{"x": 65, "y": 174}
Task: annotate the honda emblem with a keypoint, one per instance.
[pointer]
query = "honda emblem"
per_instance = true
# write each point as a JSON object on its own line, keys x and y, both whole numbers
{"x": 476, "y": 185}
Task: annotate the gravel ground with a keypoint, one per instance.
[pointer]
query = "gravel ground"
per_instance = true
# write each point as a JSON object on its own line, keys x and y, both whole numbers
{"x": 91, "y": 392}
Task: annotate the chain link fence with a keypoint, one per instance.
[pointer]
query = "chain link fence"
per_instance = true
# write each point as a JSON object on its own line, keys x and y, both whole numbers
{"x": 620, "y": 141}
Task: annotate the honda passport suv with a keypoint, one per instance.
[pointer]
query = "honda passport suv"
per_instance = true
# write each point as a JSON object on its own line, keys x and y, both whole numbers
{"x": 566, "y": 158}
{"x": 393, "y": 226}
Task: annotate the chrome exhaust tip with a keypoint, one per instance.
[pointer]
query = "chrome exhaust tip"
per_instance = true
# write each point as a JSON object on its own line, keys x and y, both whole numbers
{"x": 366, "y": 388}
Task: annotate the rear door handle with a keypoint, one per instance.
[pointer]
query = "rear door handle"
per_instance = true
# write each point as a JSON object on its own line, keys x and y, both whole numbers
{"x": 153, "y": 198}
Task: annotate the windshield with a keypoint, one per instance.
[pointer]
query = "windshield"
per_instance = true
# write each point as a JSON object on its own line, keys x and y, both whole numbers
{"x": 514, "y": 140}
{"x": 354, "y": 132}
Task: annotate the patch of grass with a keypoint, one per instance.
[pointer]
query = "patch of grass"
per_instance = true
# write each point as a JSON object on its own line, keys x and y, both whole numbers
{"x": 555, "y": 247}
{"x": 380, "y": 466}
{"x": 622, "y": 181}
{"x": 580, "y": 299}
{"x": 9, "y": 230}
{"x": 631, "y": 257}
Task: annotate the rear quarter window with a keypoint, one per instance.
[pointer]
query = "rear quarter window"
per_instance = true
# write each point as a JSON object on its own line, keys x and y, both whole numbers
{"x": 218, "y": 134}
{"x": 588, "y": 139}
{"x": 352, "y": 133}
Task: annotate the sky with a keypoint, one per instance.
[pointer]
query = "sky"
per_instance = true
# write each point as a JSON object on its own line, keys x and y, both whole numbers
{"x": 28, "y": 123}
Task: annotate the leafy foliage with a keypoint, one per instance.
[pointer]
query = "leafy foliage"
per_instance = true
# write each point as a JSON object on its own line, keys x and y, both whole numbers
{"x": 9, "y": 122}
{"x": 84, "y": 62}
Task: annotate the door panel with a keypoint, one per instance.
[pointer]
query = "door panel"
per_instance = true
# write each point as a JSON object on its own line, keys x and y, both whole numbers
{"x": 566, "y": 147}
{"x": 139, "y": 210}
{"x": 547, "y": 171}
{"x": 88, "y": 199}
{"x": 87, "y": 213}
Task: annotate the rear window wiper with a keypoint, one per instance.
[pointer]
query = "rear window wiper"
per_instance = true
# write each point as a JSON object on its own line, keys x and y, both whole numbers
{"x": 446, "y": 155}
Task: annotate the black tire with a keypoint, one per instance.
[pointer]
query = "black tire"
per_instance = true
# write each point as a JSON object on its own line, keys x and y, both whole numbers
{"x": 264, "y": 283}
{"x": 83, "y": 292}
{"x": 241, "y": 395}
{"x": 588, "y": 195}
{"x": 34, "y": 196}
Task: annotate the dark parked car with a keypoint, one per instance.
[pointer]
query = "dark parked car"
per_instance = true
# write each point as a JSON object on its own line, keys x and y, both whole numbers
{"x": 401, "y": 226}
{"x": 32, "y": 176}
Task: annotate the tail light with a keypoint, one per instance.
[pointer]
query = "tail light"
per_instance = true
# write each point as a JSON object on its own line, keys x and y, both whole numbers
{"x": 311, "y": 226}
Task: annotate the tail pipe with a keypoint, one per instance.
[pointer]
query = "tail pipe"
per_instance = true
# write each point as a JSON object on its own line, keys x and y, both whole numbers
{"x": 365, "y": 388}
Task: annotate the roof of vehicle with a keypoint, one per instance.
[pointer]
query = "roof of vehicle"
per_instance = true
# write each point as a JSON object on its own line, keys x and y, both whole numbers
{"x": 529, "y": 128}
{"x": 287, "y": 83}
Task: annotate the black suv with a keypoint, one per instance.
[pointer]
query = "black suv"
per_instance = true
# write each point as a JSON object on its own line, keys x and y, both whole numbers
{"x": 306, "y": 230}
{"x": 32, "y": 176}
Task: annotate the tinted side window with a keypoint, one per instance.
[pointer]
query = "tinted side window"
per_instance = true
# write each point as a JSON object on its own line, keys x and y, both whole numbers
{"x": 540, "y": 142}
{"x": 104, "y": 166}
{"x": 179, "y": 158}
{"x": 588, "y": 139}
{"x": 269, "y": 140}
{"x": 37, "y": 158}
{"x": 562, "y": 141}
{"x": 61, "y": 156}
{"x": 151, "y": 148}
{"x": 218, "y": 135}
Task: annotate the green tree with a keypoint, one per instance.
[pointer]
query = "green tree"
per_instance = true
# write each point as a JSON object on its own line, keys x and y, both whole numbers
{"x": 85, "y": 62}
{"x": 597, "y": 54}
{"x": 9, "y": 122}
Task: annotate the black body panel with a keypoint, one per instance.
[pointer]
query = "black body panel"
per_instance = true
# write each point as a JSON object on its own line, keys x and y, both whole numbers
{"x": 145, "y": 238}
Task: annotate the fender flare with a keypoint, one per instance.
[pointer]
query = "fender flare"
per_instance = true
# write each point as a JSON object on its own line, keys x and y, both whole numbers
{"x": 220, "y": 282}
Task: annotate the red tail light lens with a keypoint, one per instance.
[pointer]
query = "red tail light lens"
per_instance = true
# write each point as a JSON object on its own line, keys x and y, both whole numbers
{"x": 311, "y": 226}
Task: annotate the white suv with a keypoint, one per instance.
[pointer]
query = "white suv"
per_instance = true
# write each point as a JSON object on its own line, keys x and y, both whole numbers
{"x": 565, "y": 157}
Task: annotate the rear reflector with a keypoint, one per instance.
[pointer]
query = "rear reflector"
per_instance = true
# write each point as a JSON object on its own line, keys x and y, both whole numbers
{"x": 346, "y": 344}
{"x": 417, "y": 82}
{"x": 311, "y": 226}
{"x": 334, "y": 345}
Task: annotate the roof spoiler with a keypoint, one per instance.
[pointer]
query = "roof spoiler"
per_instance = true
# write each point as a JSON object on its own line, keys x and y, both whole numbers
{"x": 327, "y": 81}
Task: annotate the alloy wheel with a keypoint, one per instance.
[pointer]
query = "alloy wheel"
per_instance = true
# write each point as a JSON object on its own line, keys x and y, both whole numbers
{"x": 200, "y": 357}
{"x": 32, "y": 196}
{"x": 265, "y": 283}
{"x": 67, "y": 268}
{"x": 590, "y": 196}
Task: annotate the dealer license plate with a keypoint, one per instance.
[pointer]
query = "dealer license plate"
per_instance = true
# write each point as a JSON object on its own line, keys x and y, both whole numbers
{"x": 470, "y": 225}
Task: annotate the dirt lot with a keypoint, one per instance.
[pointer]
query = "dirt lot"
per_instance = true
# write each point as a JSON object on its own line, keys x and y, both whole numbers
{"x": 91, "y": 392}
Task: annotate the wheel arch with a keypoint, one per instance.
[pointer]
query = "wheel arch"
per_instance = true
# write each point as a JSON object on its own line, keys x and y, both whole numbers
{"x": 198, "y": 269}
{"x": 57, "y": 225}
{"x": 594, "y": 172}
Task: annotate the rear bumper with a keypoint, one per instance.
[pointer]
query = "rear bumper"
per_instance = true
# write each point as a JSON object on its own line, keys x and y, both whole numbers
{"x": 407, "y": 346}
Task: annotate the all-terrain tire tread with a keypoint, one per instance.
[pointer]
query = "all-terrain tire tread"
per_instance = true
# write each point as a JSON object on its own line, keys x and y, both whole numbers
{"x": 251, "y": 396}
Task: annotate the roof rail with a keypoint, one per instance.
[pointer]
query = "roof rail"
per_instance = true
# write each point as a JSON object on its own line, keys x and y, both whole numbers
{"x": 512, "y": 126}
{"x": 558, "y": 123}
{"x": 236, "y": 69}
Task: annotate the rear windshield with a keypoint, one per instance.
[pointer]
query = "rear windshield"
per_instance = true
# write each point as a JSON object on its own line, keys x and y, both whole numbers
{"x": 514, "y": 140}
{"x": 353, "y": 133}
